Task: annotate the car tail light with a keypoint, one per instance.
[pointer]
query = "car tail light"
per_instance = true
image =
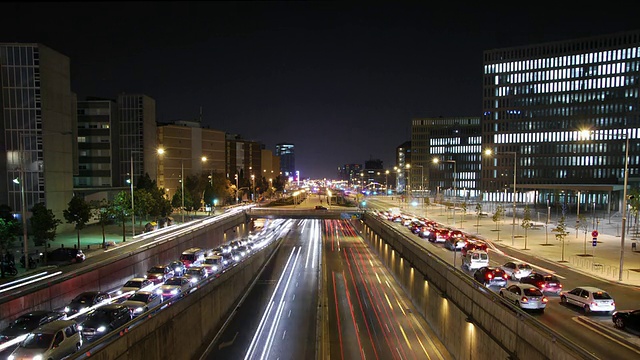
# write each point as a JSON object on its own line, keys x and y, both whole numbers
{"x": 524, "y": 299}
{"x": 544, "y": 299}
{"x": 560, "y": 285}
{"x": 542, "y": 285}
{"x": 505, "y": 276}
{"x": 489, "y": 276}
{"x": 613, "y": 303}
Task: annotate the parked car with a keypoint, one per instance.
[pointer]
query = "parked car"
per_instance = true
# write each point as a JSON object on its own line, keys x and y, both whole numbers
{"x": 589, "y": 298}
{"x": 525, "y": 296}
{"x": 66, "y": 255}
{"x": 320, "y": 207}
{"x": 178, "y": 267}
{"x": 86, "y": 300}
{"x": 516, "y": 271}
{"x": 475, "y": 259}
{"x": 28, "y": 322}
{"x": 55, "y": 340}
{"x": 160, "y": 273}
{"x": 142, "y": 301}
{"x": 134, "y": 285}
{"x": 545, "y": 282}
{"x": 104, "y": 320}
{"x": 491, "y": 276}
{"x": 627, "y": 319}
{"x": 175, "y": 286}
{"x": 196, "y": 274}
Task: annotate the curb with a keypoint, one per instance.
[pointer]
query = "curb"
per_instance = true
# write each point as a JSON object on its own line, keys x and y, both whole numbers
{"x": 595, "y": 325}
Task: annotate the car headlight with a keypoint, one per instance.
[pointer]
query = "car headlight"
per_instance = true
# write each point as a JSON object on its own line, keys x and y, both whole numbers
{"x": 138, "y": 310}
{"x": 67, "y": 309}
{"x": 80, "y": 327}
{"x": 101, "y": 329}
{"x": 174, "y": 291}
{"x": 194, "y": 280}
{"x": 177, "y": 269}
{"x": 11, "y": 357}
{"x": 225, "y": 262}
{"x": 119, "y": 292}
{"x": 215, "y": 268}
{"x": 158, "y": 291}
{"x": 37, "y": 357}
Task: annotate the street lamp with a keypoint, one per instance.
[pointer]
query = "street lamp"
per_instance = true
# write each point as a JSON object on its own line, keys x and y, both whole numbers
{"x": 408, "y": 180}
{"x": 236, "y": 176}
{"x": 436, "y": 160}
{"x": 133, "y": 209}
{"x": 160, "y": 152}
{"x": 515, "y": 164}
{"x": 253, "y": 180}
{"x": 386, "y": 178}
{"x": 421, "y": 182}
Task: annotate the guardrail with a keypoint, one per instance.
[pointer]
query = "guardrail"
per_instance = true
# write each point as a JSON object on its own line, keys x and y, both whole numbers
{"x": 513, "y": 332}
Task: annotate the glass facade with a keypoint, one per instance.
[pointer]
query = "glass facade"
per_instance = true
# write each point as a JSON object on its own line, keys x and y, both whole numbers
{"x": 97, "y": 140}
{"x": 287, "y": 159}
{"x": 565, "y": 109}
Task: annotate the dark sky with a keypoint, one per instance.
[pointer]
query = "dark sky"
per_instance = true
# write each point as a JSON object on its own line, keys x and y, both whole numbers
{"x": 340, "y": 80}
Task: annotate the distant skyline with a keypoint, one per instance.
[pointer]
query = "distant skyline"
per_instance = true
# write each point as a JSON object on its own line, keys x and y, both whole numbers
{"x": 340, "y": 80}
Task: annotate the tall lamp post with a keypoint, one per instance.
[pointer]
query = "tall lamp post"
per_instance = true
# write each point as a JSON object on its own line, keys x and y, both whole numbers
{"x": 23, "y": 198}
{"x": 182, "y": 187}
{"x": 386, "y": 178}
{"x": 253, "y": 181}
{"x": 455, "y": 191}
{"x": 421, "y": 182}
{"x": 515, "y": 168}
{"x": 236, "y": 176}
{"x": 624, "y": 206}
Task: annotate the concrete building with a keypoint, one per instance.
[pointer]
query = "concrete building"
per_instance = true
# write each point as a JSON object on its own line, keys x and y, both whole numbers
{"x": 38, "y": 127}
{"x": 287, "y": 159}
{"x": 243, "y": 158}
{"x": 403, "y": 157}
{"x": 187, "y": 148}
{"x": 98, "y": 144}
{"x": 138, "y": 140}
{"x": 350, "y": 173}
{"x": 270, "y": 164}
{"x": 456, "y": 144}
{"x": 560, "y": 116}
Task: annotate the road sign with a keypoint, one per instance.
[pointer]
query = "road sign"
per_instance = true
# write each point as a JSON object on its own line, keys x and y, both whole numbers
{"x": 595, "y": 241}
{"x": 594, "y": 233}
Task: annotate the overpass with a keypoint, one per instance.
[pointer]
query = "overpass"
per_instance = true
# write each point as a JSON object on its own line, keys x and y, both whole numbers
{"x": 305, "y": 213}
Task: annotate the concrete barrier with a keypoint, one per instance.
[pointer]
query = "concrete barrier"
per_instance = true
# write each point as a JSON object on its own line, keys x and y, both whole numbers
{"x": 114, "y": 272}
{"x": 470, "y": 320}
{"x": 182, "y": 330}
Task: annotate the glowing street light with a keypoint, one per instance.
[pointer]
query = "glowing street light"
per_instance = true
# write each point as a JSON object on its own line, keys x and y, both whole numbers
{"x": 515, "y": 163}
{"x": 435, "y": 161}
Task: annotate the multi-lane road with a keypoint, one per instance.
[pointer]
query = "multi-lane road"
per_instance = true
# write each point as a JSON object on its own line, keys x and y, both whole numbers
{"x": 325, "y": 292}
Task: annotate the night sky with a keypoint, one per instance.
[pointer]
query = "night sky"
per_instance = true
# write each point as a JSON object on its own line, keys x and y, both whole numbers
{"x": 340, "y": 80}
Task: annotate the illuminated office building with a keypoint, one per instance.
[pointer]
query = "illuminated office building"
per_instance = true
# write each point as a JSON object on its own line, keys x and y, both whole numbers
{"x": 456, "y": 143}
{"x": 138, "y": 140}
{"x": 403, "y": 157}
{"x": 538, "y": 99}
{"x": 287, "y": 159}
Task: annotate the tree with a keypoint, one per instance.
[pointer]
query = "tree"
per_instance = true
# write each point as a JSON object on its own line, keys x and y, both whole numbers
{"x": 43, "y": 225}
{"x": 77, "y": 213}
{"x": 561, "y": 232}
{"x": 121, "y": 209}
{"x": 478, "y": 213}
{"x": 497, "y": 216}
{"x": 143, "y": 203}
{"x": 526, "y": 223}
{"x": 101, "y": 207}
{"x": 8, "y": 231}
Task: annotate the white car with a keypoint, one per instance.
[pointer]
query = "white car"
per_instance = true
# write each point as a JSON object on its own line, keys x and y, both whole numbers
{"x": 525, "y": 296}
{"x": 175, "y": 286}
{"x": 475, "y": 259}
{"x": 142, "y": 301}
{"x": 134, "y": 285}
{"x": 589, "y": 298}
{"x": 516, "y": 271}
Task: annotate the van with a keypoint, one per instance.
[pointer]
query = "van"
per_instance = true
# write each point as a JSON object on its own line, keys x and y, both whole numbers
{"x": 475, "y": 259}
{"x": 192, "y": 257}
{"x": 55, "y": 340}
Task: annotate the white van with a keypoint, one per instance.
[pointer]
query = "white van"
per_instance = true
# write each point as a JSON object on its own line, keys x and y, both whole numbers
{"x": 55, "y": 340}
{"x": 475, "y": 259}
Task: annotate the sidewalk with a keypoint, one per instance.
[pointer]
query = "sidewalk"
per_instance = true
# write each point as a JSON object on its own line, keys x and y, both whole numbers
{"x": 602, "y": 261}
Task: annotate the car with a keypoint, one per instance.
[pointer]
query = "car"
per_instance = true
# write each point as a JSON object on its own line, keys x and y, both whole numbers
{"x": 228, "y": 259}
{"x": 320, "y": 207}
{"x": 441, "y": 235}
{"x": 134, "y": 285}
{"x": 85, "y": 301}
{"x": 222, "y": 249}
{"x": 213, "y": 263}
{"x": 473, "y": 245}
{"x": 195, "y": 274}
{"x": 28, "y": 322}
{"x": 627, "y": 319}
{"x": 545, "y": 282}
{"x": 589, "y": 298}
{"x": 491, "y": 276}
{"x": 475, "y": 259}
{"x": 66, "y": 255}
{"x": 160, "y": 273}
{"x": 244, "y": 251}
{"x": 525, "y": 296}
{"x": 175, "y": 286}
{"x": 192, "y": 257}
{"x": 516, "y": 271}
{"x": 234, "y": 244}
{"x": 142, "y": 301}
{"x": 103, "y": 320}
{"x": 178, "y": 267}
{"x": 455, "y": 242}
{"x": 55, "y": 340}
{"x": 427, "y": 232}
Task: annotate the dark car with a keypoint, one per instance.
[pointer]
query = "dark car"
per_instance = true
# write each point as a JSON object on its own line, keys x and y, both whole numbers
{"x": 178, "y": 267}
{"x": 103, "y": 320}
{"x": 627, "y": 319}
{"x": 320, "y": 207}
{"x": 160, "y": 273}
{"x": 86, "y": 300}
{"x": 66, "y": 255}
{"x": 491, "y": 276}
{"x": 473, "y": 245}
{"x": 28, "y": 322}
{"x": 546, "y": 283}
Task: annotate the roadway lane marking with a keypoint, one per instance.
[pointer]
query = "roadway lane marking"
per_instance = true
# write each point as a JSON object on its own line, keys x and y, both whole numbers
{"x": 576, "y": 319}
{"x": 406, "y": 339}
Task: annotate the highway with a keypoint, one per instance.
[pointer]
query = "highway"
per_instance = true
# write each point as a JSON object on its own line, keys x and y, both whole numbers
{"x": 370, "y": 317}
{"x": 602, "y": 341}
